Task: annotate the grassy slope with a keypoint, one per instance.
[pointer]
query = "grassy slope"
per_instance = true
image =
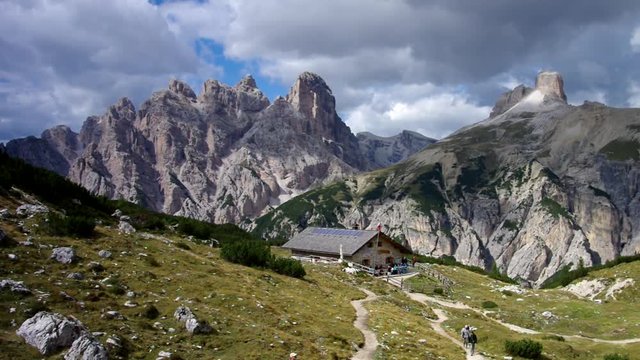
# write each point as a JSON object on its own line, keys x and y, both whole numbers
{"x": 614, "y": 319}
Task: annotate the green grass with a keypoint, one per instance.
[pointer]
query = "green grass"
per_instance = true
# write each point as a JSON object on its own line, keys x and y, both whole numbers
{"x": 622, "y": 150}
{"x": 556, "y": 210}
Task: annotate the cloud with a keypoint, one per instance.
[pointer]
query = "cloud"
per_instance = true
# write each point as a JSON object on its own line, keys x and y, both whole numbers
{"x": 428, "y": 109}
{"x": 74, "y": 58}
{"x": 634, "y": 94}
{"x": 635, "y": 40}
{"x": 417, "y": 64}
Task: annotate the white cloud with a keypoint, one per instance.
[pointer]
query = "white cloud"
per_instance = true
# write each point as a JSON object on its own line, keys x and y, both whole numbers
{"x": 71, "y": 59}
{"x": 634, "y": 94}
{"x": 432, "y": 111}
{"x": 635, "y": 40}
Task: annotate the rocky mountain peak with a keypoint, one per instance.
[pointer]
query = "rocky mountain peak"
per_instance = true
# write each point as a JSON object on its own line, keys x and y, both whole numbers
{"x": 550, "y": 83}
{"x": 309, "y": 94}
{"x": 123, "y": 109}
{"x": 509, "y": 99}
{"x": 247, "y": 83}
{"x": 181, "y": 88}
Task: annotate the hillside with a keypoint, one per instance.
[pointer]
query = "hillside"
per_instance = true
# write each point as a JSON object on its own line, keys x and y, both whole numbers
{"x": 538, "y": 186}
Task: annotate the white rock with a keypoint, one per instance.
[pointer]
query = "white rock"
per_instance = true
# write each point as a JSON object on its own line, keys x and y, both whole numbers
{"x": 49, "y": 332}
{"x": 86, "y": 347}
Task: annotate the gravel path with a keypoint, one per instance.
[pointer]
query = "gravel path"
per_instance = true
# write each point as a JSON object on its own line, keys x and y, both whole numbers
{"x": 362, "y": 317}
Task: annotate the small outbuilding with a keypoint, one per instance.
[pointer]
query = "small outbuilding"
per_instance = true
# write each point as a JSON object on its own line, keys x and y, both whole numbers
{"x": 365, "y": 247}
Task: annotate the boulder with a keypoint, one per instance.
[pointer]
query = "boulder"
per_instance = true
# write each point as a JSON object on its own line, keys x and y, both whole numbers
{"x": 5, "y": 213}
{"x": 49, "y": 332}
{"x": 27, "y": 210}
{"x": 195, "y": 326}
{"x": 125, "y": 227}
{"x": 86, "y": 347}
{"x": 104, "y": 254}
{"x": 183, "y": 314}
{"x": 75, "y": 276}
{"x": 65, "y": 255}
{"x": 14, "y": 286}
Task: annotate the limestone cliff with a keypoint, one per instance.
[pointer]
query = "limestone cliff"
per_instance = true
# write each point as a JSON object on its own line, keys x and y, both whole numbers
{"x": 537, "y": 186}
{"x": 225, "y": 155}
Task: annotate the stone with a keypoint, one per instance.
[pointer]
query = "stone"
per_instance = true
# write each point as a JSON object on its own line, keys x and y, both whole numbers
{"x": 27, "y": 210}
{"x": 95, "y": 266}
{"x": 125, "y": 227}
{"x": 112, "y": 314}
{"x": 195, "y": 326}
{"x": 49, "y": 332}
{"x": 75, "y": 276}
{"x": 5, "y": 213}
{"x": 117, "y": 213}
{"x": 12, "y": 257}
{"x": 183, "y": 313}
{"x": 130, "y": 304}
{"x": 164, "y": 355}
{"x": 14, "y": 286}
{"x": 104, "y": 254}
{"x": 86, "y": 347}
{"x": 65, "y": 255}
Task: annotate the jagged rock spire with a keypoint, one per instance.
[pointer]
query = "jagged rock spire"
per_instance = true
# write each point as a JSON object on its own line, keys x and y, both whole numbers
{"x": 180, "y": 87}
{"x": 247, "y": 83}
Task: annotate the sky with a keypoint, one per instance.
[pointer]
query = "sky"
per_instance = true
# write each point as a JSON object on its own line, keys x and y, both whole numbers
{"x": 430, "y": 66}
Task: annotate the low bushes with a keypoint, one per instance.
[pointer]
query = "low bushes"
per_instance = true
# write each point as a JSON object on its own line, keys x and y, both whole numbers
{"x": 257, "y": 254}
{"x": 489, "y": 305}
{"x": 525, "y": 348}
{"x": 616, "y": 356}
{"x": 79, "y": 226}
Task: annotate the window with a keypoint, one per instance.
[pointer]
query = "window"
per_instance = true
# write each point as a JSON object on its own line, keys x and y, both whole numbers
{"x": 370, "y": 244}
{"x": 379, "y": 243}
{"x": 365, "y": 262}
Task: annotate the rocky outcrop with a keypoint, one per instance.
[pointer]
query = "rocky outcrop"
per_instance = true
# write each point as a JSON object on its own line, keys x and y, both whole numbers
{"x": 16, "y": 287}
{"x": 550, "y": 83}
{"x": 509, "y": 99}
{"x": 38, "y": 152}
{"x": 49, "y": 332}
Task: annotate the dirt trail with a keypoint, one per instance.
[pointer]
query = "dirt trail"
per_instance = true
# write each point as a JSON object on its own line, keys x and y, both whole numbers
{"x": 362, "y": 317}
{"x": 437, "y": 324}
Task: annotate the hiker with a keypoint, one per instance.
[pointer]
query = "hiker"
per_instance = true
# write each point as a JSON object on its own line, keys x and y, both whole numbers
{"x": 414, "y": 260}
{"x": 473, "y": 339}
{"x": 464, "y": 333}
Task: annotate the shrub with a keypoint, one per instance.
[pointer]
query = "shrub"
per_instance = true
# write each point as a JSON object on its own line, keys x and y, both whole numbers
{"x": 438, "y": 291}
{"x": 289, "y": 267}
{"x": 507, "y": 292}
{"x": 150, "y": 312}
{"x": 489, "y": 305}
{"x": 249, "y": 253}
{"x": 554, "y": 337}
{"x": 183, "y": 246}
{"x": 77, "y": 225}
{"x": 525, "y": 348}
{"x": 616, "y": 356}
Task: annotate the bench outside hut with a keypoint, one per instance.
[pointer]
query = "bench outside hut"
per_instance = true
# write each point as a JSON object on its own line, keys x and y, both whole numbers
{"x": 365, "y": 247}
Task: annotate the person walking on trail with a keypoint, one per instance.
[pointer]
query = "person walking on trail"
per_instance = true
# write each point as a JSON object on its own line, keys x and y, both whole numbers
{"x": 473, "y": 339}
{"x": 464, "y": 333}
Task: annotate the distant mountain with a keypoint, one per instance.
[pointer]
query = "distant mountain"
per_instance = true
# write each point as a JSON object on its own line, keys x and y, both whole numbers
{"x": 535, "y": 187}
{"x": 225, "y": 155}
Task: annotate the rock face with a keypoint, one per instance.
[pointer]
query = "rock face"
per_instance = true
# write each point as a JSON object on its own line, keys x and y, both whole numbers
{"x": 551, "y": 84}
{"x": 49, "y": 332}
{"x": 224, "y": 155}
{"x": 509, "y": 99}
{"x": 537, "y": 187}
{"x": 14, "y": 286}
{"x": 386, "y": 151}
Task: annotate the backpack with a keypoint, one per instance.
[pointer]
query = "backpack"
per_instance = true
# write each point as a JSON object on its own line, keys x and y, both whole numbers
{"x": 473, "y": 338}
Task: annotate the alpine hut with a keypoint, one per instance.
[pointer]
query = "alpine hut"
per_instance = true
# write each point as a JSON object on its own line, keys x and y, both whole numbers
{"x": 366, "y": 247}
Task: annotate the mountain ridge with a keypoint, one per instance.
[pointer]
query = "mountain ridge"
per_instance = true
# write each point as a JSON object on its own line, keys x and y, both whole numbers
{"x": 217, "y": 155}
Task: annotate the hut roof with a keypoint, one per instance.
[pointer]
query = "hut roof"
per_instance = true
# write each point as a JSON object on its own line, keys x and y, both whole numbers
{"x": 328, "y": 241}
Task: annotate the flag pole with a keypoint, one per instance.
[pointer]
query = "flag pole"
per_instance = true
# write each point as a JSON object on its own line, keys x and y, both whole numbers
{"x": 375, "y": 250}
